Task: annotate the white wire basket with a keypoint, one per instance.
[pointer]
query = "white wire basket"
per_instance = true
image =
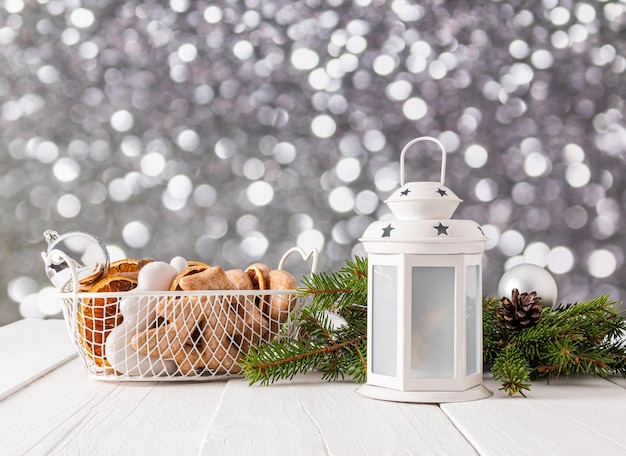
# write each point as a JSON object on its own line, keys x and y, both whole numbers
{"x": 177, "y": 335}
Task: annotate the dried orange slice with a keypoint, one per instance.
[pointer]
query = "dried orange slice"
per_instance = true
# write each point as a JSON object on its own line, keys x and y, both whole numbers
{"x": 125, "y": 265}
{"x": 260, "y": 275}
{"x": 98, "y": 316}
{"x": 193, "y": 268}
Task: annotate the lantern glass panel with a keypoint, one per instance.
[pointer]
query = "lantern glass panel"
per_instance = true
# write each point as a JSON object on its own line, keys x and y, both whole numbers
{"x": 432, "y": 322}
{"x": 384, "y": 320}
{"x": 473, "y": 307}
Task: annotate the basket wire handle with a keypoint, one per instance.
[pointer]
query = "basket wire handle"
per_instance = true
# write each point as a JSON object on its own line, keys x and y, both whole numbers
{"x": 415, "y": 141}
{"x": 312, "y": 255}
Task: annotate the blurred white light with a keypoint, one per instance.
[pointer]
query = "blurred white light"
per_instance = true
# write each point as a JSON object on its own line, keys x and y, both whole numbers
{"x": 82, "y": 18}
{"x": 399, "y": 90}
{"x": 311, "y": 239}
{"x": 304, "y": 59}
{"x": 216, "y": 226}
{"x": 601, "y": 263}
{"x": 68, "y": 206}
{"x": 180, "y": 186}
{"x": 253, "y": 168}
{"x": 560, "y": 15}
{"x": 116, "y": 252}
{"x": 48, "y": 74}
{"x": 585, "y": 13}
{"x": 136, "y": 234}
{"x": 66, "y": 169}
{"x": 542, "y": 59}
{"x": 573, "y": 153}
{"x": 374, "y": 140}
{"x": 13, "y": 6}
{"x": 486, "y": 189}
{"x": 172, "y": 203}
{"x": 225, "y": 148}
{"x": 560, "y": 260}
{"x": 20, "y": 287}
{"x": 348, "y": 169}
{"x": 577, "y": 175}
{"x": 70, "y": 36}
{"x": 386, "y": 179}
{"x": 188, "y": 140}
{"x": 537, "y": 253}
{"x": 118, "y": 190}
{"x": 537, "y": 164}
{"x": 437, "y": 69}
{"x": 88, "y": 50}
{"x": 384, "y": 65}
{"x": 492, "y": 233}
{"x": 205, "y": 195}
{"x": 511, "y": 243}
{"x": 356, "y": 44}
{"x": 323, "y": 126}
{"x": 254, "y": 245}
{"x": 131, "y": 146}
{"x": 366, "y": 202}
{"x": 341, "y": 199}
{"x": 213, "y": 14}
{"x": 284, "y": 153}
{"x": 46, "y": 151}
{"x": 243, "y": 50}
{"x": 152, "y": 164}
{"x": 414, "y": 108}
{"x": 187, "y": 52}
{"x": 476, "y": 156}
{"x": 260, "y": 193}
{"x": 519, "y": 49}
{"x": 319, "y": 79}
{"x": 122, "y": 121}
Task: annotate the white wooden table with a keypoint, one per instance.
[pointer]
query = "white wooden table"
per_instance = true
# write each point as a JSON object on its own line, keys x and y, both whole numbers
{"x": 49, "y": 406}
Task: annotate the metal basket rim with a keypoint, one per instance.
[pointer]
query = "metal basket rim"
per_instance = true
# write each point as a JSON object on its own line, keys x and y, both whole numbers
{"x": 179, "y": 294}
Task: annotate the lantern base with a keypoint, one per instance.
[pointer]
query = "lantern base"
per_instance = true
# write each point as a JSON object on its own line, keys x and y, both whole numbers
{"x": 429, "y": 397}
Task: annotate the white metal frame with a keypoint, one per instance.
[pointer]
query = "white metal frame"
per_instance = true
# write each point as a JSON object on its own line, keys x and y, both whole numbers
{"x": 402, "y": 387}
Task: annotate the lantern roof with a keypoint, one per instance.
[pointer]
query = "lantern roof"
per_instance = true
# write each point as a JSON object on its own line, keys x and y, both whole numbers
{"x": 423, "y": 200}
{"x": 432, "y": 236}
{"x": 423, "y": 224}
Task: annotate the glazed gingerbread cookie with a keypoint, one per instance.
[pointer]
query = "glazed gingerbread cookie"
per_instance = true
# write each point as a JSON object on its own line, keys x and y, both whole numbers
{"x": 215, "y": 351}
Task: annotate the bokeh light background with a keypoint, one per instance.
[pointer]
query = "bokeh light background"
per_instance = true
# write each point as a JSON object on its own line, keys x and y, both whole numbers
{"x": 230, "y": 131}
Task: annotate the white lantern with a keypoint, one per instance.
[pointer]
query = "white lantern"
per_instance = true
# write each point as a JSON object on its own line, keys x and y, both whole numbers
{"x": 424, "y": 297}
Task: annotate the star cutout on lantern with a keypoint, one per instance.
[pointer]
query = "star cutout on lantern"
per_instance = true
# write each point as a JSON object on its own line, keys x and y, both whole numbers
{"x": 442, "y": 192}
{"x": 441, "y": 229}
{"x": 405, "y": 192}
{"x": 387, "y": 231}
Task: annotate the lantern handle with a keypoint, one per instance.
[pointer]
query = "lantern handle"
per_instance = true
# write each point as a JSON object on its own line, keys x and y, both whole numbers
{"x": 415, "y": 141}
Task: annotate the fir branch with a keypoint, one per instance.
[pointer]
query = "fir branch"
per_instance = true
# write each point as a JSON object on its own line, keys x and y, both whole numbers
{"x": 586, "y": 338}
{"x": 513, "y": 371}
{"x": 286, "y": 358}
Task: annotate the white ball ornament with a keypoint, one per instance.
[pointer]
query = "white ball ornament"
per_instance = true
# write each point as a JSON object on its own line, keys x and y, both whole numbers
{"x": 528, "y": 278}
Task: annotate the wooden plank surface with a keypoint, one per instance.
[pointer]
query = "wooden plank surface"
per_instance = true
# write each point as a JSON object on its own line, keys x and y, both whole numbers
{"x": 29, "y": 349}
{"x": 570, "y": 416}
{"x": 66, "y": 412}
{"x": 308, "y": 416}
{"x": 49, "y": 406}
